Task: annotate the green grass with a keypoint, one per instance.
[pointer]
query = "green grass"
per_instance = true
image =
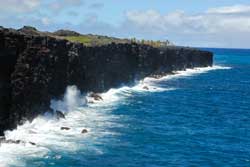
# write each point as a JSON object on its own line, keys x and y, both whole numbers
{"x": 98, "y": 40}
{"x": 95, "y": 40}
{"x": 81, "y": 39}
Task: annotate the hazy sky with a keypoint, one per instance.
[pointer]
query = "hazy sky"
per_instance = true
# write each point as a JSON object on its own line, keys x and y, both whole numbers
{"x": 207, "y": 23}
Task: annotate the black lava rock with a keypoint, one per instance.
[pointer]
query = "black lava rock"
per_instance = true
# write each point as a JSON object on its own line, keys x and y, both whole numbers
{"x": 35, "y": 68}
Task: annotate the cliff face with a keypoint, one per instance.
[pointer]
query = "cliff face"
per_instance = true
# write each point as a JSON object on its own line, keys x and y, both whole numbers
{"x": 35, "y": 69}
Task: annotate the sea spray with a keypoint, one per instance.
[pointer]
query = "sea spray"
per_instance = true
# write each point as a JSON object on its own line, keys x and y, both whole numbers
{"x": 72, "y": 100}
{"x": 97, "y": 118}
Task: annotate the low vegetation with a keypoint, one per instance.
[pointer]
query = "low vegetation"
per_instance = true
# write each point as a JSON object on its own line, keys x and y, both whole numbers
{"x": 92, "y": 40}
{"x": 96, "y": 40}
{"x": 81, "y": 39}
{"x": 153, "y": 43}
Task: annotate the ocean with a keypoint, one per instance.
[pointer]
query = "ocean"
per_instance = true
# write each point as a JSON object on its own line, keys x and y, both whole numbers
{"x": 197, "y": 117}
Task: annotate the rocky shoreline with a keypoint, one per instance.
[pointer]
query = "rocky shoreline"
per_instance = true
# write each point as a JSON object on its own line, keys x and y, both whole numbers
{"x": 36, "y": 68}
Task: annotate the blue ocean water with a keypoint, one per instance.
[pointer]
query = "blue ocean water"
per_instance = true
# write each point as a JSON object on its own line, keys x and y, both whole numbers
{"x": 201, "y": 119}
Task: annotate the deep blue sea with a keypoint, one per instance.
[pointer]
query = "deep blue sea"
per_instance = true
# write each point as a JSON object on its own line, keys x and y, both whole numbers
{"x": 196, "y": 118}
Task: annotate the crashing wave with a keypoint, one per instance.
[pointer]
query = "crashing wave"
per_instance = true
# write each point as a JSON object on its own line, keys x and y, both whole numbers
{"x": 96, "y": 117}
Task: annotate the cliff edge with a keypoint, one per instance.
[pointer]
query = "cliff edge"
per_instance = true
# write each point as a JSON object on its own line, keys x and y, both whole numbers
{"x": 35, "y": 68}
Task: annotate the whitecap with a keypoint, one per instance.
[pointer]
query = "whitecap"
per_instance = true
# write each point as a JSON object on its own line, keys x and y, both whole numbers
{"x": 97, "y": 118}
{"x": 187, "y": 73}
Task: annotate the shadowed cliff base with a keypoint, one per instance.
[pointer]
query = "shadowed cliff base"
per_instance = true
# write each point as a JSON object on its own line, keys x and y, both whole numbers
{"x": 38, "y": 66}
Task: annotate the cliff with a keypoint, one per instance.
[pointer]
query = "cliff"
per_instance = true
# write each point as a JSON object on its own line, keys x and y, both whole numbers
{"x": 37, "y": 68}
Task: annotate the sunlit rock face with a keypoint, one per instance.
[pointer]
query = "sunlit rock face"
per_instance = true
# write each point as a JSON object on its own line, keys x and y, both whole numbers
{"x": 37, "y": 68}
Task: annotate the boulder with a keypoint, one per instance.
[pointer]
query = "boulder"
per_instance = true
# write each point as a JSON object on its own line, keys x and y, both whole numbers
{"x": 84, "y": 131}
{"x": 16, "y": 142}
{"x": 96, "y": 96}
{"x": 145, "y": 87}
{"x": 32, "y": 143}
{"x": 13, "y": 141}
{"x": 65, "y": 128}
{"x": 59, "y": 115}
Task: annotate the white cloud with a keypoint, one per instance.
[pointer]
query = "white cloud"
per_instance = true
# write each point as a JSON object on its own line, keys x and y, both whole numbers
{"x": 200, "y": 23}
{"x": 59, "y": 5}
{"x": 19, "y": 6}
{"x": 46, "y": 21}
{"x": 230, "y": 9}
{"x": 226, "y": 24}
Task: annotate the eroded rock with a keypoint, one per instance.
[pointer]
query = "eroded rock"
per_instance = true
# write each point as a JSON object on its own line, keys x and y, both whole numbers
{"x": 84, "y": 131}
{"x": 96, "y": 96}
{"x": 9, "y": 141}
{"x": 60, "y": 115}
{"x": 32, "y": 143}
{"x": 65, "y": 128}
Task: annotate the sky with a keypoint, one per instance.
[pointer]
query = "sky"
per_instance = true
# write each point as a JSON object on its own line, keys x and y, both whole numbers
{"x": 199, "y": 23}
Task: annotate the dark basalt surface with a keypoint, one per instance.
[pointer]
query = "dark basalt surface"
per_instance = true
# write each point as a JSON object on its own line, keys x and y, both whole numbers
{"x": 35, "y": 69}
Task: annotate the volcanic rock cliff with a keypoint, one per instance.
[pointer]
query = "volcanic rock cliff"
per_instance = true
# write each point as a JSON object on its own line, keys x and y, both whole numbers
{"x": 37, "y": 68}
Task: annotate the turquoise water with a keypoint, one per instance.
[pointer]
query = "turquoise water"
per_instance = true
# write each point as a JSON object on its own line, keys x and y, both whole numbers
{"x": 198, "y": 118}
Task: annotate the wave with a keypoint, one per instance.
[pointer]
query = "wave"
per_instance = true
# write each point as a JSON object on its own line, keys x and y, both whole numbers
{"x": 96, "y": 117}
{"x": 188, "y": 72}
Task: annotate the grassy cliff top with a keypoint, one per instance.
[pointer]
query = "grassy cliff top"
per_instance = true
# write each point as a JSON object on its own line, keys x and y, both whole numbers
{"x": 97, "y": 40}
{"x": 92, "y": 40}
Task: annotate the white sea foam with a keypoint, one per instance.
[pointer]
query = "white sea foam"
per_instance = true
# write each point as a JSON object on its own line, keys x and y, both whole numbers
{"x": 186, "y": 73}
{"x": 97, "y": 118}
{"x": 46, "y": 131}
